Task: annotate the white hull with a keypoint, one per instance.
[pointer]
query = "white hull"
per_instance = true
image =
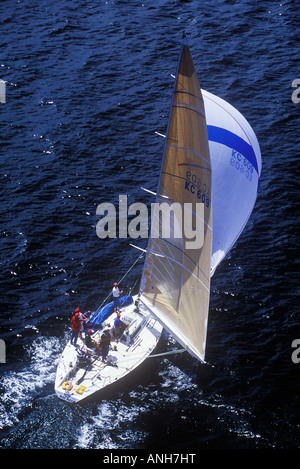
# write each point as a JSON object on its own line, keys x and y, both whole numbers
{"x": 136, "y": 344}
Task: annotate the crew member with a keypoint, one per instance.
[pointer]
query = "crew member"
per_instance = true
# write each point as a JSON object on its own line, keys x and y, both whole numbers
{"x": 82, "y": 320}
{"x": 76, "y": 324}
{"x": 105, "y": 343}
{"x": 116, "y": 295}
{"x": 89, "y": 342}
{"x": 119, "y": 327}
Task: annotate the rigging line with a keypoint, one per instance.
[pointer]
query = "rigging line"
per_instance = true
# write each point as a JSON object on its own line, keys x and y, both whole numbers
{"x": 184, "y": 267}
{"x": 189, "y": 94}
{"x": 181, "y": 106}
{"x": 132, "y": 288}
{"x": 194, "y": 165}
{"x": 162, "y": 252}
{"x": 172, "y": 352}
{"x": 189, "y": 107}
{"x": 139, "y": 257}
{"x": 189, "y": 149}
{"x": 126, "y": 273}
{"x": 137, "y": 354}
{"x": 185, "y": 254}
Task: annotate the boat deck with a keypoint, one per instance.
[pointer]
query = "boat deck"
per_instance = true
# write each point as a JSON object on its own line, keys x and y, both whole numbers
{"x": 75, "y": 382}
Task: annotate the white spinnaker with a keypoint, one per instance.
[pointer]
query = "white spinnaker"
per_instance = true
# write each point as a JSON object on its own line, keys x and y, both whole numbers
{"x": 236, "y": 168}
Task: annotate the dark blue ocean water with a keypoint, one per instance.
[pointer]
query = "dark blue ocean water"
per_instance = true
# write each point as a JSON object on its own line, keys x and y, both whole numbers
{"x": 88, "y": 84}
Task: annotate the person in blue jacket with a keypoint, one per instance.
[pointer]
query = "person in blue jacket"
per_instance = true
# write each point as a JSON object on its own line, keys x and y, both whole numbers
{"x": 119, "y": 326}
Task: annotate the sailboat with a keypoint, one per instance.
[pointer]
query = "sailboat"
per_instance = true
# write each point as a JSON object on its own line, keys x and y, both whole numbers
{"x": 211, "y": 158}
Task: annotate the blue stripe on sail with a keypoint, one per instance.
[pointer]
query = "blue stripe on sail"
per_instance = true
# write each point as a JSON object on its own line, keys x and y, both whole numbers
{"x": 231, "y": 140}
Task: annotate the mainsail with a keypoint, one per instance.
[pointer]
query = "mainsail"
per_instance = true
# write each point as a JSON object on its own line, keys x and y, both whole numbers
{"x": 175, "y": 283}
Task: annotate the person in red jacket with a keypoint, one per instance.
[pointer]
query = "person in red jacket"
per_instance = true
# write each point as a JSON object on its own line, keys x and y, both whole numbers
{"x": 76, "y": 325}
